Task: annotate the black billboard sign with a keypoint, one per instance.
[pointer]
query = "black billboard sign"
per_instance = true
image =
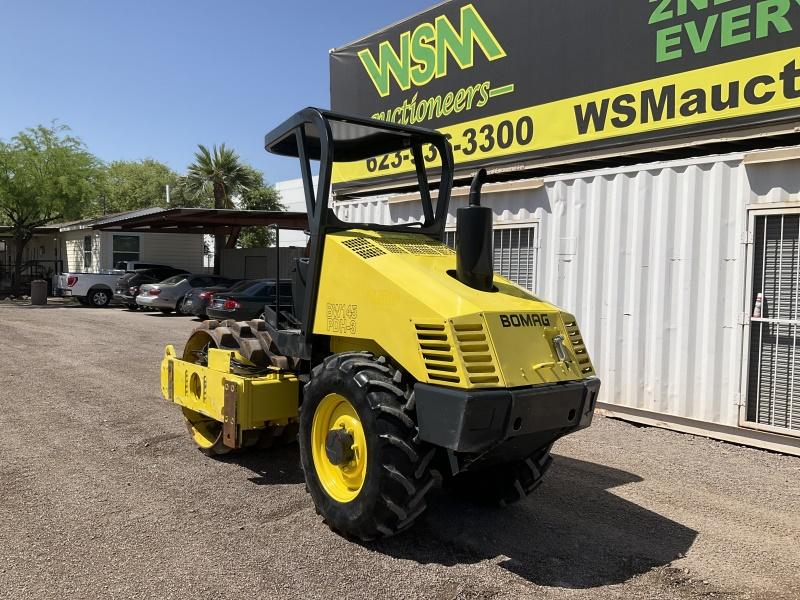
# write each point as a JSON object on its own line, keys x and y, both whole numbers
{"x": 510, "y": 80}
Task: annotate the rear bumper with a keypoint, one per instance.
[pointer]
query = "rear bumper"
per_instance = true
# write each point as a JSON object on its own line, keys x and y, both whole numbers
{"x": 125, "y": 298}
{"x": 194, "y": 306}
{"x": 509, "y": 423}
{"x": 155, "y": 302}
{"x": 223, "y": 315}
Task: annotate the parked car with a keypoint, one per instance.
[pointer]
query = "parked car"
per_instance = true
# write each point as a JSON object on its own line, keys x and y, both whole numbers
{"x": 197, "y": 300}
{"x": 128, "y": 285}
{"x": 95, "y": 289}
{"x": 168, "y": 295}
{"x": 92, "y": 289}
{"x": 249, "y": 303}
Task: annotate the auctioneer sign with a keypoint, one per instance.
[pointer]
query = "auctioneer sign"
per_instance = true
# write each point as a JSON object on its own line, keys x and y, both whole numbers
{"x": 510, "y": 80}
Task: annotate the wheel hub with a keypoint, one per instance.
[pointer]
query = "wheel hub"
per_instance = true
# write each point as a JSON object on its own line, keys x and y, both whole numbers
{"x": 339, "y": 447}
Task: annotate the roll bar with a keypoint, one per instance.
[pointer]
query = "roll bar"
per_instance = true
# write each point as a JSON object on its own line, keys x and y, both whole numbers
{"x": 329, "y": 137}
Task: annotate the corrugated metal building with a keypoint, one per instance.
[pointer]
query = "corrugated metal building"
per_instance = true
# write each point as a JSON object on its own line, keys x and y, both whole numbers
{"x": 663, "y": 264}
{"x": 645, "y": 184}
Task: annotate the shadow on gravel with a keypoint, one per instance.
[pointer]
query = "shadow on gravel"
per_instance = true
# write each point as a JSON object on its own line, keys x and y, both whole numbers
{"x": 570, "y": 533}
{"x": 276, "y": 466}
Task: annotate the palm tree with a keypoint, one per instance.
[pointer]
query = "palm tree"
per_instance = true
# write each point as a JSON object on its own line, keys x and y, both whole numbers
{"x": 219, "y": 171}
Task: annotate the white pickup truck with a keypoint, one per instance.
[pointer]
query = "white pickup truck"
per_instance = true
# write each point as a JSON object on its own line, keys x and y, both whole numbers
{"x": 96, "y": 289}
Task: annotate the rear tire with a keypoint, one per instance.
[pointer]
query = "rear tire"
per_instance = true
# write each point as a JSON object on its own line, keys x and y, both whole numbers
{"x": 133, "y": 307}
{"x": 396, "y": 468}
{"x": 99, "y": 297}
{"x": 506, "y": 484}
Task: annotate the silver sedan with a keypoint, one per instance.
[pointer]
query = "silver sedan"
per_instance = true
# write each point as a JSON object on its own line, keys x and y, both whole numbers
{"x": 167, "y": 296}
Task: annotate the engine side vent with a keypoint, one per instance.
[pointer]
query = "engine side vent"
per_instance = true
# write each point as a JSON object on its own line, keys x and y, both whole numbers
{"x": 420, "y": 247}
{"x": 578, "y": 347}
{"x": 437, "y": 352}
{"x": 363, "y": 247}
{"x": 476, "y": 354}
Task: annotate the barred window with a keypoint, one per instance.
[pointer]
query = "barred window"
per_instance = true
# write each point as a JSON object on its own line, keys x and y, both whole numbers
{"x": 514, "y": 250}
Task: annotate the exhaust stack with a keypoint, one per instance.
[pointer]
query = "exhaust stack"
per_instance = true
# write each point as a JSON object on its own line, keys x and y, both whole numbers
{"x": 474, "y": 265}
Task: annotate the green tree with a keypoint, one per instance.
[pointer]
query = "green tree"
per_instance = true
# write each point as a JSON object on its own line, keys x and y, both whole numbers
{"x": 220, "y": 172}
{"x": 182, "y": 197}
{"x": 46, "y": 175}
{"x": 133, "y": 185}
{"x": 265, "y": 197}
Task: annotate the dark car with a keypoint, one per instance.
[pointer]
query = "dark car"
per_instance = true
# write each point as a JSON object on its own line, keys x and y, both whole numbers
{"x": 196, "y": 301}
{"x": 250, "y": 302}
{"x": 128, "y": 285}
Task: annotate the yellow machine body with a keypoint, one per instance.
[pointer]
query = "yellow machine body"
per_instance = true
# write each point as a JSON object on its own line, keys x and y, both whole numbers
{"x": 414, "y": 311}
{"x": 240, "y": 403}
{"x": 400, "y": 362}
{"x": 397, "y": 294}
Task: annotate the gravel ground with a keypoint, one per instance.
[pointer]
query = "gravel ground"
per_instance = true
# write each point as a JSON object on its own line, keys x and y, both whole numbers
{"x": 103, "y": 496}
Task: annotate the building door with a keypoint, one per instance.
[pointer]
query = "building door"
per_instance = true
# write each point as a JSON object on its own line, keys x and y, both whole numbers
{"x": 773, "y": 371}
{"x": 514, "y": 251}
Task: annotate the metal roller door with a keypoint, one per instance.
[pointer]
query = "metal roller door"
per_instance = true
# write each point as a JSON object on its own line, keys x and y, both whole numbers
{"x": 514, "y": 253}
{"x": 773, "y": 390}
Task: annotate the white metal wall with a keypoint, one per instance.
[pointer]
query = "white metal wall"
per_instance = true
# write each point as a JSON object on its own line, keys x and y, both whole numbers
{"x": 179, "y": 250}
{"x": 650, "y": 259}
{"x": 73, "y": 254}
{"x": 651, "y": 262}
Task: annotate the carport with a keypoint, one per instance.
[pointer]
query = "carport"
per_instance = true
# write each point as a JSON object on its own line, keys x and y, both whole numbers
{"x": 211, "y": 221}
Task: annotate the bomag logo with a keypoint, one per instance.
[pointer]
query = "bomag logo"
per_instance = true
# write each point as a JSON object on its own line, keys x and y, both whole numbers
{"x": 530, "y": 320}
{"x": 425, "y": 51}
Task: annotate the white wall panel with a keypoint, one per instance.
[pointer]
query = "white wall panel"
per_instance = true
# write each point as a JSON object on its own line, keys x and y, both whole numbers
{"x": 656, "y": 281}
{"x": 650, "y": 259}
{"x": 179, "y": 250}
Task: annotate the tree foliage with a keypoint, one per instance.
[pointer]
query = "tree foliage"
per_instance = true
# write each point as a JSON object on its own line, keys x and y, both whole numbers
{"x": 182, "y": 196}
{"x": 46, "y": 175}
{"x": 221, "y": 173}
{"x": 265, "y": 197}
{"x": 133, "y": 185}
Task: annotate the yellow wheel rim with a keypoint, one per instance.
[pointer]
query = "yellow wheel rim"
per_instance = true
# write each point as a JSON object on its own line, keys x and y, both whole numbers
{"x": 342, "y": 482}
{"x": 206, "y": 433}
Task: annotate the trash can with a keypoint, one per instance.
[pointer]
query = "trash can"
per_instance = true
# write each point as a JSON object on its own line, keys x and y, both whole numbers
{"x": 39, "y": 292}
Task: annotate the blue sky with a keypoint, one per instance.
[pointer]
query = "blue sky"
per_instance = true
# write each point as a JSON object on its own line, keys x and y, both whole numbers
{"x": 155, "y": 78}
